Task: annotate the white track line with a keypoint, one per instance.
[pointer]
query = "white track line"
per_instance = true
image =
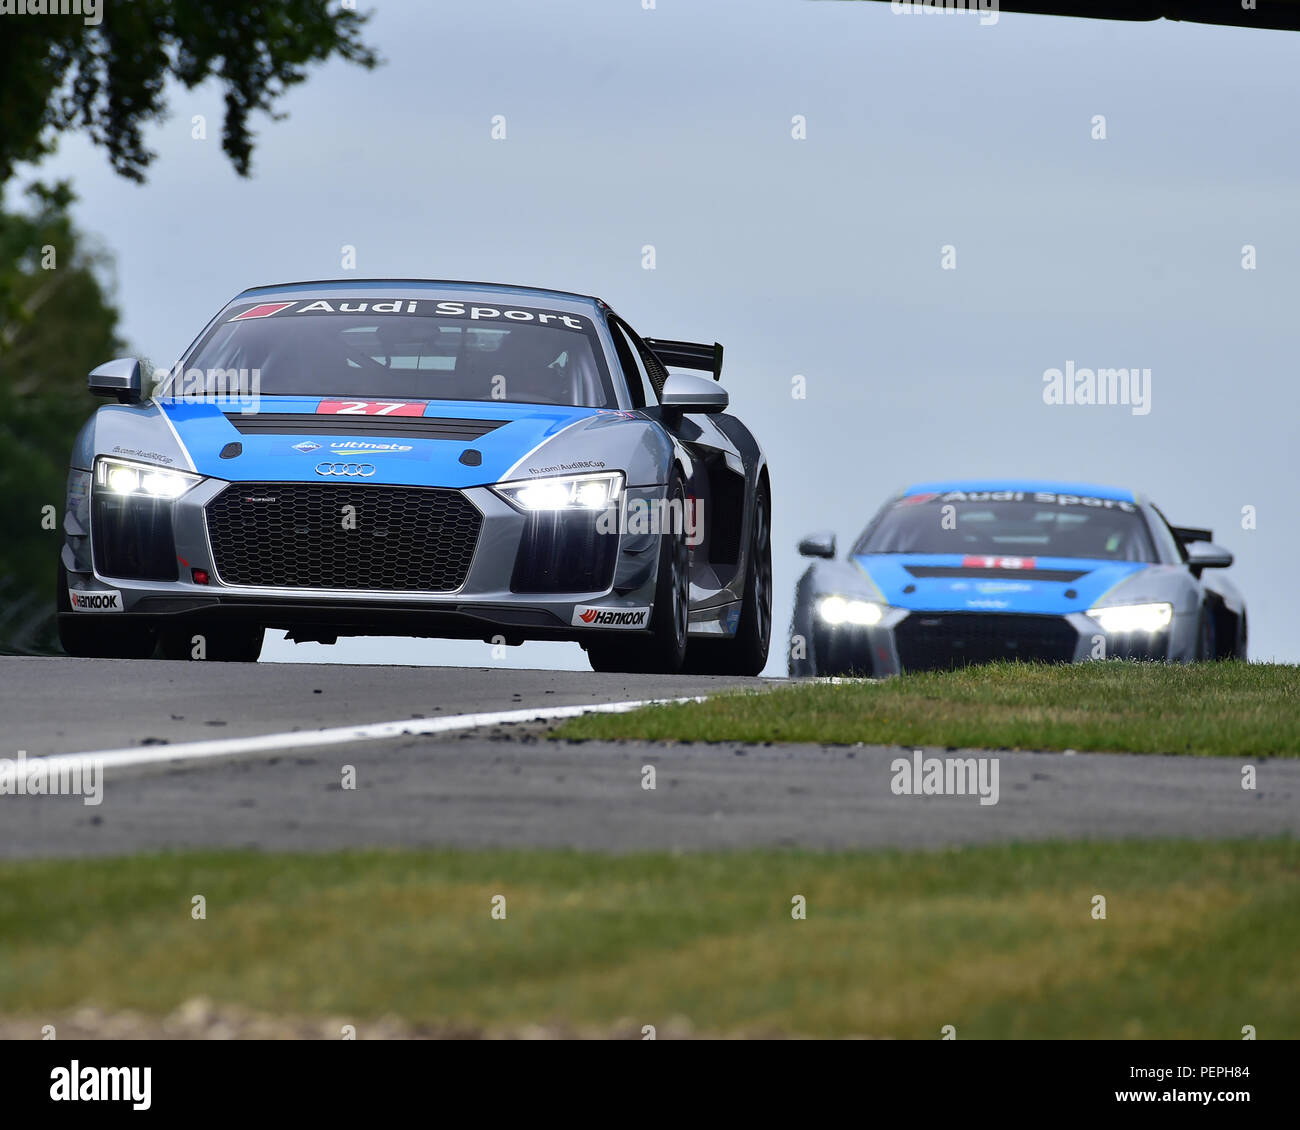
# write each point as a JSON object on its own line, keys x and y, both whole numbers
{"x": 336, "y": 735}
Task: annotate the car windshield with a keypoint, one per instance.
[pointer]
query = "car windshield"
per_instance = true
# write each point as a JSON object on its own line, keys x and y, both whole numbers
{"x": 1047, "y": 525}
{"x": 428, "y": 351}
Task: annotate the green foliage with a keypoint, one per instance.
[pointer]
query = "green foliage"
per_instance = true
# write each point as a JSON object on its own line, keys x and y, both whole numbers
{"x": 55, "y": 326}
{"x": 56, "y": 321}
{"x": 109, "y": 79}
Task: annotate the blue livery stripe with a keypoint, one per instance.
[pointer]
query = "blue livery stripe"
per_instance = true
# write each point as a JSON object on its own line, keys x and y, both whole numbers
{"x": 409, "y": 460}
{"x": 1009, "y": 593}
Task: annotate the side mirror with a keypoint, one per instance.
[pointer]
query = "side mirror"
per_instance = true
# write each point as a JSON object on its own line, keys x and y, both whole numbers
{"x": 818, "y": 545}
{"x": 119, "y": 378}
{"x": 685, "y": 392}
{"x": 1206, "y": 555}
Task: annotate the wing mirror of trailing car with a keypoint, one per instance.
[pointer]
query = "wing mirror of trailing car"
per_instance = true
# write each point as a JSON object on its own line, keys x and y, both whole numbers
{"x": 685, "y": 392}
{"x": 1207, "y": 555}
{"x": 818, "y": 545}
{"x": 119, "y": 378}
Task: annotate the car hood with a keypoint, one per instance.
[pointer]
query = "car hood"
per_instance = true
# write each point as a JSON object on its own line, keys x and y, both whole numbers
{"x": 301, "y": 438}
{"x": 953, "y": 583}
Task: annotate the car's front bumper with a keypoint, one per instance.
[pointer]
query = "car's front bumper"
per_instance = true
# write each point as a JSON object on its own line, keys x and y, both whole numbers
{"x": 909, "y": 640}
{"x": 510, "y": 551}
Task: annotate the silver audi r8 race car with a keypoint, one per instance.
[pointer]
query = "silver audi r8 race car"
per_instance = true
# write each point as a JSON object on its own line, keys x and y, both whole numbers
{"x": 951, "y": 573}
{"x": 419, "y": 458}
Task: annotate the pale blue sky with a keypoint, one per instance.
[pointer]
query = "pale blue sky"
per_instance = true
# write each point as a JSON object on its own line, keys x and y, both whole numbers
{"x": 818, "y": 257}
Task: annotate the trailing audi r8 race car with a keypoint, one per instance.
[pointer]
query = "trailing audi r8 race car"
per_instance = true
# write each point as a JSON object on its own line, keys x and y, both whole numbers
{"x": 951, "y": 573}
{"x": 421, "y": 459}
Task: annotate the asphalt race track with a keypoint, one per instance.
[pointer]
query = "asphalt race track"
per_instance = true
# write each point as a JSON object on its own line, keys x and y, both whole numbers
{"x": 70, "y": 705}
{"x": 508, "y": 786}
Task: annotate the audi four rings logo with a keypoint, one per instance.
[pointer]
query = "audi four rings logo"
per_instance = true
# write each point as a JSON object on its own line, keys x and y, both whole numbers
{"x": 364, "y": 470}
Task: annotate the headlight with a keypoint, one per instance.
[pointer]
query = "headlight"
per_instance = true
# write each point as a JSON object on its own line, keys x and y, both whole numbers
{"x": 118, "y": 476}
{"x": 575, "y": 492}
{"x": 844, "y": 610}
{"x": 1121, "y": 618}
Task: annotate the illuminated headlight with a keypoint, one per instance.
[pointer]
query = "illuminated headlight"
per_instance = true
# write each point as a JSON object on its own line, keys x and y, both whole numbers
{"x": 117, "y": 476}
{"x": 577, "y": 492}
{"x": 1121, "y": 618}
{"x": 844, "y": 610}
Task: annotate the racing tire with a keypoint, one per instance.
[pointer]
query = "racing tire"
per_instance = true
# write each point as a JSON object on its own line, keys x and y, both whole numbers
{"x": 99, "y": 636}
{"x": 664, "y": 650}
{"x": 220, "y": 645}
{"x": 1205, "y": 637}
{"x": 746, "y": 653}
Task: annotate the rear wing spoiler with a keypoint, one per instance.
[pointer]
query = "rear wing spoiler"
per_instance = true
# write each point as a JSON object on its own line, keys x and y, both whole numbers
{"x": 1192, "y": 533}
{"x": 688, "y": 355}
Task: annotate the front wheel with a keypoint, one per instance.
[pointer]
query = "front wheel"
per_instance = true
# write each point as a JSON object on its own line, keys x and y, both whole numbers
{"x": 664, "y": 650}
{"x": 1205, "y": 641}
{"x": 746, "y": 652}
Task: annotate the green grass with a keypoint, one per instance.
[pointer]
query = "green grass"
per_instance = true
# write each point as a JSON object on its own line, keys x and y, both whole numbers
{"x": 1217, "y": 709}
{"x": 1199, "y": 939}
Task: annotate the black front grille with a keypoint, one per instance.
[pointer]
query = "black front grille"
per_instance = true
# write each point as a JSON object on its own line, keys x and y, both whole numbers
{"x": 330, "y": 424}
{"x": 937, "y": 640}
{"x": 343, "y": 536}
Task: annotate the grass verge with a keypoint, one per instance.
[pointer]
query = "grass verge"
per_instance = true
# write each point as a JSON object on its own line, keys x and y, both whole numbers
{"x": 1217, "y": 709}
{"x": 1198, "y": 939}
